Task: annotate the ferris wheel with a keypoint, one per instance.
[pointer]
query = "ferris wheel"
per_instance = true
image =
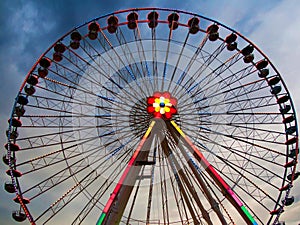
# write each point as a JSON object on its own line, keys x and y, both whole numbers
{"x": 152, "y": 116}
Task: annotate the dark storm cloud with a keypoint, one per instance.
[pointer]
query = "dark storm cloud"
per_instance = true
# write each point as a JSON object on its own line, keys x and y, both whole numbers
{"x": 33, "y": 25}
{"x": 28, "y": 28}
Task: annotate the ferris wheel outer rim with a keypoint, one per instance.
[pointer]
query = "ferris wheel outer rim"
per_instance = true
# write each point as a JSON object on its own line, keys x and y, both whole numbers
{"x": 17, "y": 191}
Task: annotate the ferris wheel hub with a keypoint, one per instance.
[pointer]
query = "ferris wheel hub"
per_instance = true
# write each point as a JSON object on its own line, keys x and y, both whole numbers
{"x": 162, "y": 105}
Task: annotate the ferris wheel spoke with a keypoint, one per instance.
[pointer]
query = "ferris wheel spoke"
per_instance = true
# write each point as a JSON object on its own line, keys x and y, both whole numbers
{"x": 34, "y": 145}
{"x": 151, "y": 183}
{"x": 232, "y": 77}
{"x": 70, "y": 195}
{"x": 130, "y": 59}
{"x": 69, "y": 95}
{"x": 178, "y": 61}
{"x": 142, "y": 54}
{"x": 142, "y": 59}
{"x": 161, "y": 159}
{"x": 134, "y": 70}
{"x": 55, "y": 157}
{"x": 233, "y": 113}
{"x": 254, "y": 87}
{"x": 200, "y": 181}
{"x": 99, "y": 70}
{"x": 231, "y": 163}
{"x": 198, "y": 50}
{"x": 209, "y": 181}
{"x": 228, "y": 95}
{"x": 213, "y": 189}
{"x": 137, "y": 187}
{"x": 195, "y": 178}
{"x": 164, "y": 189}
{"x": 57, "y": 178}
{"x": 181, "y": 207}
{"x": 48, "y": 164}
{"x": 103, "y": 189}
{"x": 53, "y": 103}
{"x": 261, "y": 152}
{"x": 260, "y": 137}
{"x": 205, "y": 121}
{"x": 83, "y": 184}
{"x": 58, "y": 76}
{"x": 218, "y": 206}
{"x": 44, "y": 120}
{"x": 52, "y": 181}
{"x": 214, "y": 79}
{"x": 257, "y": 156}
{"x": 80, "y": 64}
{"x": 129, "y": 70}
{"x": 204, "y": 186}
{"x": 234, "y": 92}
{"x": 215, "y": 73}
{"x": 166, "y": 58}
{"x": 250, "y": 195}
{"x": 53, "y": 139}
{"x": 261, "y": 195}
{"x": 48, "y": 139}
{"x": 88, "y": 79}
{"x": 262, "y": 143}
{"x": 259, "y": 130}
{"x": 126, "y": 182}
{"x": 237, "y": 168}
{"x": 250, "y": 91}
{"x": 94, "y": 200}
{"x": 242, "y": 138}
{"x": 77, "y": 167}
{"x": 154, "y": 59}
{"x": 245, "y": 104}
{"x": 216, "y": 177}
{"x": 186, "y": 180}
{"x": 238, "y": 152}
{"x": 188, "y": 85}
{"x": 57, "y": 87}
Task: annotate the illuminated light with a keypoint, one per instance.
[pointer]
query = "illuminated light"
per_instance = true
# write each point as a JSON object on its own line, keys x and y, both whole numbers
{"x": 235, "y": 197}
{"x": 161, "y": 105}
{"x": 248, "y": 215}
{"x": 99, "y": 222}
{"x": 178, "y": 129}
{"x": 149, "y": 129}
{"x": 150, "y": 100}
{"x": 219, "y": 178}
{"x": 150, "y": 109}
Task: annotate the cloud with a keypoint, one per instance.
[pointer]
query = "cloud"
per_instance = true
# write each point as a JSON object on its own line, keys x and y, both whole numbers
{"x": 278, "y": 36}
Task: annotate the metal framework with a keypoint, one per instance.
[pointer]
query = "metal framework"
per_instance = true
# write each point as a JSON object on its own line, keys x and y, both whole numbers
{"x": 82, "y": 145}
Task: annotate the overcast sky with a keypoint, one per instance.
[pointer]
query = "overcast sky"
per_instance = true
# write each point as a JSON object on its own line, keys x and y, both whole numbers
{"x": 28, "y": 28}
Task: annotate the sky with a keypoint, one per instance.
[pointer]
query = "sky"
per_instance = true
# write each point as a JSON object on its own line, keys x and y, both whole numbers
{"x": 28, "y": 28}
